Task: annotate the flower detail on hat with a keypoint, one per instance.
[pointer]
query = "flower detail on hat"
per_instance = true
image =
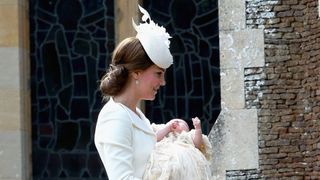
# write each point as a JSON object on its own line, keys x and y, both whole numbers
{"x": 152, "y": 27}
{"x": 154, "y": 39}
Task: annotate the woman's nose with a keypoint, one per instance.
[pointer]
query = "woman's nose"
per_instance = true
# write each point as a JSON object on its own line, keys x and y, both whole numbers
{"x": 163, "y": 82}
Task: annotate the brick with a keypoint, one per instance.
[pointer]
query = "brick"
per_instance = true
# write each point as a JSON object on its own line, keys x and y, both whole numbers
{"x": 287, "y": 96}
{"x": 278, "y": 143}
{"x": 281, "y": 8}
{"x": 289, "y": 2}
{"x": 289, "y": 149}
{"x": 269, "y": 161}
{"x": 269, "y": 150}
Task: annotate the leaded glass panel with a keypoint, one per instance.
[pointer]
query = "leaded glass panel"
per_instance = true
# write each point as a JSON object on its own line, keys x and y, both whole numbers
{"x": 193, "y": 82}
{"x": 70, "y": 43}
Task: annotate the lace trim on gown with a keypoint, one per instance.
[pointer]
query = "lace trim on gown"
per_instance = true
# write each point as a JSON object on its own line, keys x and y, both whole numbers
{"x": 176, "y": 158}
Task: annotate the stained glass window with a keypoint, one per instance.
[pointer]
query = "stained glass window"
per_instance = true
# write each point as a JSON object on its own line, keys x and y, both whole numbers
{"x": 193, "y": 82}
{"x": 71, "y": 42}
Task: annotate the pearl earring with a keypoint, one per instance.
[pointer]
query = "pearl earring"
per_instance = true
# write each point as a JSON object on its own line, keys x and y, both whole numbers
{"x": 137, "y": 82}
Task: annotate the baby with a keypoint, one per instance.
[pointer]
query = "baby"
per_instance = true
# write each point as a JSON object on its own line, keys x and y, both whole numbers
{"x": 180, "y": 153}
{"x": 179, "y": 125}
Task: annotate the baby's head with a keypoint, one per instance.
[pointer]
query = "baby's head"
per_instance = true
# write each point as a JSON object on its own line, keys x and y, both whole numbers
{"x": 180, "y": 125}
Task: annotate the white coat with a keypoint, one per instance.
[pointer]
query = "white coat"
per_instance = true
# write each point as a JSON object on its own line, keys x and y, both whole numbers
{"x": 124, "y": 141}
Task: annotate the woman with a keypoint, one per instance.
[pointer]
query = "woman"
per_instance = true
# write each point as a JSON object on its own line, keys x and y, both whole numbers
{"x": 123, "y": 136}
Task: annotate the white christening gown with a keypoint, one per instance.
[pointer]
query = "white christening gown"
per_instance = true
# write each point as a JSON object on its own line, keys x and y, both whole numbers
{"x": 176, "y": 158}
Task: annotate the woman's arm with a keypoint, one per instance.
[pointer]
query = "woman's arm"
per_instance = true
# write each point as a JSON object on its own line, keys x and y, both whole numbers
{"x": 197, "y": 139}
{"x": 113, "y": 140}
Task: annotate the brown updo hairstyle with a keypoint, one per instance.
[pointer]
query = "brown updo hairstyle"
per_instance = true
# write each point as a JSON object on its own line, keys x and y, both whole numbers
{"x": 129, "y": 56}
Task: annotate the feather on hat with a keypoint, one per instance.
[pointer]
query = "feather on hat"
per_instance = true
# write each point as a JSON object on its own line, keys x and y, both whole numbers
{"x": 154, "y": 39}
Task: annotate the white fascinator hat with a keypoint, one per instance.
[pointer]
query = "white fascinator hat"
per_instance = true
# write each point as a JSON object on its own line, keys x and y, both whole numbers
{"x": 155, "y": 40}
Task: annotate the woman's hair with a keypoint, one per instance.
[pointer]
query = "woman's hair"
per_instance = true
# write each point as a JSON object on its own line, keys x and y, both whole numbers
{"x": 128, "y": 56}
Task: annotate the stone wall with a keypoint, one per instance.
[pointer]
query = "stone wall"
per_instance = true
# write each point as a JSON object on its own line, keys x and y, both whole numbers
{"x": 15, "y": 118}
{"x": 286, "y": 91}
{"x": 234, "y": 136}
{"x": 251, "y": 174}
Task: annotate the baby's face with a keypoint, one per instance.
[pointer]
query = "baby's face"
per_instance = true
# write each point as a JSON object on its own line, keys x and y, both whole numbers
{"x": 180, "y": 125}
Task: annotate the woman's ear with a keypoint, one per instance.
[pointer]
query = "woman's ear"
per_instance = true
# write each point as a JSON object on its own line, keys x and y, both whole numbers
{"x": 136, "y": 75}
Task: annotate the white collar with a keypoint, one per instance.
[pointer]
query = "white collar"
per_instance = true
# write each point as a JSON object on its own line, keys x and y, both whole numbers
{"x": 138, "y": 120}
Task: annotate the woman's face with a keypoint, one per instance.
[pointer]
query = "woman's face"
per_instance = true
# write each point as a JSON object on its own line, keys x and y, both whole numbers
{"x": 150, "y": 81}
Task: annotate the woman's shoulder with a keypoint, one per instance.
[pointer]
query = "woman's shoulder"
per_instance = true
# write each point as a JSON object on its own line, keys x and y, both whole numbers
{"x": 112, "y": 119}
{"x": 112, "y": 111}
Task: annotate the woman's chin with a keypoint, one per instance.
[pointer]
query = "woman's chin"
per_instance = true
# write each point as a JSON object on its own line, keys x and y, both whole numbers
{"x": 151, "y": 98}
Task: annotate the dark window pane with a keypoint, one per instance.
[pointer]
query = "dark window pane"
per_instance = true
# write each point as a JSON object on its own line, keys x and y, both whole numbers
{"x": 193, "y": 82}
{"x": 71, "y": 43}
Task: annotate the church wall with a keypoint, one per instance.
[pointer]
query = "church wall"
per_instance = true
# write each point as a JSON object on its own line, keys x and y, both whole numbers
{"x": 234, "y": 136}
{"x": 283, "y": 90}
{"x": 286, "y": 90}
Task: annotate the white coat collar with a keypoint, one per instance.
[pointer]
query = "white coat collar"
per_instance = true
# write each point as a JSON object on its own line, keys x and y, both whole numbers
{"x": 140, "y": 122}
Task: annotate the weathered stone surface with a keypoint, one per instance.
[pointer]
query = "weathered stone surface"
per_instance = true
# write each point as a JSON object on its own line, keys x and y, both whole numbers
{"x": 13, "y": 164}
{"x": 15, "y": 117}
{"x": 9, "y": 26}
{"x": 232, "y": 96}
{"x": 288, "y": 108}
{"x": 234, "y": 138}
{"x": 231, "y": 14}
{"x": 123, "y": 27}
{"x": 243, "y": 48}
{"x": 9, "y": 68}
{"x": 242, "y": 174}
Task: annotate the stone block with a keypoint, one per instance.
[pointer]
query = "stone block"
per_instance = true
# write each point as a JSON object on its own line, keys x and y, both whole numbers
{"x": 242, "y": 49}
{"x": 11, "y": 2}
{"x": 125, "y": 10}
{"x": 14, "y": 89}
{"x": 9, "y": 25}
{"x": 232, "y": 89}
{"x": 10, "y": 155}
{"x": 232, "y": 14}
{"x": 235, "y": 140}
{"x": 10, "y": 110}
{"x": 21, "y": 3}
{"x": 9, "y": 69}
